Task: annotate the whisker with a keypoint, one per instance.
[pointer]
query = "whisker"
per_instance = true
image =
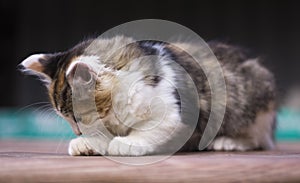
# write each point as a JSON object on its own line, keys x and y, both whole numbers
{"x": 41, "y": 108}
{"x": 31, "y": 105}
{"x": 44, "y": 110}
{"x": 47, "y": 116}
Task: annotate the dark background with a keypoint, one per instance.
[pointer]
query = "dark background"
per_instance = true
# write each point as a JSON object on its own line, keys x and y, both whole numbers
{"x": 269, "y": 28}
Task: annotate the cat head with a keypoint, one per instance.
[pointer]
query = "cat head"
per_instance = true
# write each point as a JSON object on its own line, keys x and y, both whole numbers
{"x": 57, "y": 73}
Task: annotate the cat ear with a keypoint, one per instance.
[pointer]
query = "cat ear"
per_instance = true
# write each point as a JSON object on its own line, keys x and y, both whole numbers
{"x": 79, "y": 72}
{"x": 41, "y": 65}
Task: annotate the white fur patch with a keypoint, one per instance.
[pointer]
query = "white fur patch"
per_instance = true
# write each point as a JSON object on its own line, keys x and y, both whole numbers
{"x": 150, "y": 112}
{"x": 32, "y": 59}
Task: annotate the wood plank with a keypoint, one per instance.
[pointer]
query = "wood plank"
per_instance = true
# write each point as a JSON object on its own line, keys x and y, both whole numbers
{"x": 46, "y": 161}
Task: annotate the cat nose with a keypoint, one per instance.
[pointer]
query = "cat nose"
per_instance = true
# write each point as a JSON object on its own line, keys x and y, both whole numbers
{"x": 20, "y": 67}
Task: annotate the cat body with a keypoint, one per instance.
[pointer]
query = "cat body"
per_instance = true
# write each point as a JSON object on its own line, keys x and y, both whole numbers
{"x": 135, "y": 96}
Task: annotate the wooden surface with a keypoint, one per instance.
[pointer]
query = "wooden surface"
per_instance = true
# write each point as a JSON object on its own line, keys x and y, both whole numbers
{"x": 45, "y": 161}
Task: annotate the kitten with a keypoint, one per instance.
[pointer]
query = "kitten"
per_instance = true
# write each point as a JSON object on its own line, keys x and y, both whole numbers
{"x": 113, "y": 70}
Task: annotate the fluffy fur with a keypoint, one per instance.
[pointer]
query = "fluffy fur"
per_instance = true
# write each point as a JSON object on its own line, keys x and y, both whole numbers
{"x": 137, "y": 101}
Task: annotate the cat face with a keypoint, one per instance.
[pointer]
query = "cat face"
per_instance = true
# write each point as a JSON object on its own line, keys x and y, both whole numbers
{"x": 99, "y": 61}
{"x": 52, "y": 69}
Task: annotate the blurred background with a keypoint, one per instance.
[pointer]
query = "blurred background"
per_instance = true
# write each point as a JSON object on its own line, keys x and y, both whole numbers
{"x": 269, "y": 28}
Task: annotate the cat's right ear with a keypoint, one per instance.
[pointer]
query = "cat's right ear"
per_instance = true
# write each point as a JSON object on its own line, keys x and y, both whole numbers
{"x": 43, "y": 66}
{"x": 79, "y": 72}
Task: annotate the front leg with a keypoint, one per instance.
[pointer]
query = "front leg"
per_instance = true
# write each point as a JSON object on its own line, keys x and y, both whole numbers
{"x": 144, "y": 142}
{"x": 85, "y": 145}
{"x": 130, "y": 146}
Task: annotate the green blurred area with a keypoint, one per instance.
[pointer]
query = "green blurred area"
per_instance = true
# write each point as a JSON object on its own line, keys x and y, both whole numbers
{"x": 33, "y": 124}
{"x": 46, "y": 125}
{"x": 288, "y": 124}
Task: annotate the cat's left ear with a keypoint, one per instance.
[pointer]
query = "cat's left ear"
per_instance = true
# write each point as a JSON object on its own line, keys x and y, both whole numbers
{"x": 41, "y": 65}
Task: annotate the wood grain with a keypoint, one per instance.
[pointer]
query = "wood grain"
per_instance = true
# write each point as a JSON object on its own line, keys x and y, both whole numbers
{"x": 46, "y": 161}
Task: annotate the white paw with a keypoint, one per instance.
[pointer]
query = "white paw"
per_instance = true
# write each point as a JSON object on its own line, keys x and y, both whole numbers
{"x": 228, "y": 144}
{"x": 81, "y": 146}
{"x": 124, "y": 146}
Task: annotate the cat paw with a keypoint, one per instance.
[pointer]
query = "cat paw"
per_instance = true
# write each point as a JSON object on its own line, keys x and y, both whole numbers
{"x": 123, "y": 146}
{"x": 228, "y": 144}
{"x": 80, "y": 146}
